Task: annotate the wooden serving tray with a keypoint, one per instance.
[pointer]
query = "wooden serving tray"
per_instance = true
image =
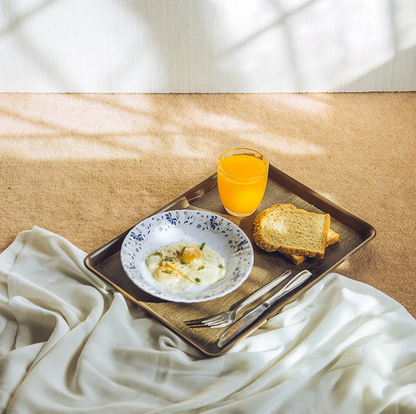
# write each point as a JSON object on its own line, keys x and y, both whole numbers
{"x": 354, "y": 233}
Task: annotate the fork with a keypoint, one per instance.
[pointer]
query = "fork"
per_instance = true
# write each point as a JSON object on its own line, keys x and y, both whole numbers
{"x": 228, "y": 317}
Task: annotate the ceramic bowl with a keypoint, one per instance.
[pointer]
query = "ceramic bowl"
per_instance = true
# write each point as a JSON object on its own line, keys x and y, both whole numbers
{"x": 170, "y": 227}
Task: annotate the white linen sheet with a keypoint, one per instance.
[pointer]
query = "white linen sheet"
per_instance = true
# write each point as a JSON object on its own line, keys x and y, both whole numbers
{"x": 71, "y": 344}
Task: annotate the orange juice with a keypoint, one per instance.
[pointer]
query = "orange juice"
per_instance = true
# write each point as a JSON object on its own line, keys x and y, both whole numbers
{"x": 242, "y": 178}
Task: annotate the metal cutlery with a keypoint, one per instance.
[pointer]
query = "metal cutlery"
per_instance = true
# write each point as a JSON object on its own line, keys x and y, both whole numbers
{"x": 227, "y": 318}
{"x": 253, "y": 315}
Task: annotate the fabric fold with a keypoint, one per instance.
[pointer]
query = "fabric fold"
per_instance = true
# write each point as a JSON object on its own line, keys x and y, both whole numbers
{"x": 70, "y": 343}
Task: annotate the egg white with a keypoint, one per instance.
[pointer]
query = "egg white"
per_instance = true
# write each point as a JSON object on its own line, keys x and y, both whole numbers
{"x": 205, "y": 270}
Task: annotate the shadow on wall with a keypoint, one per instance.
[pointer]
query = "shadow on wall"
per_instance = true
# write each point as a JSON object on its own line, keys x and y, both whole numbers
{"x": 402, "y": 77}
{"x": 185, "y": 45}
{"x": 195, "y": 46}
{"x": 33, "y": 57}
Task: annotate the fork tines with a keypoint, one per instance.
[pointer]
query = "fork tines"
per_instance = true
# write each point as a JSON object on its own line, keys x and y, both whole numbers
{"x": 216, "y": 321}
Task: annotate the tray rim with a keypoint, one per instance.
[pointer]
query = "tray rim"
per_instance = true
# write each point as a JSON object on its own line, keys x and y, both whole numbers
{"x": 193, "y": 194}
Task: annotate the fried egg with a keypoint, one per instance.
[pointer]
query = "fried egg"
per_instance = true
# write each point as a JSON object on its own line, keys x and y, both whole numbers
{"x": 181, "y": 265}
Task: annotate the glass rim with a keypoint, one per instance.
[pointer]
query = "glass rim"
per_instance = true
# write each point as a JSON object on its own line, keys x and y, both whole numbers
{"x": 244, "y": 179}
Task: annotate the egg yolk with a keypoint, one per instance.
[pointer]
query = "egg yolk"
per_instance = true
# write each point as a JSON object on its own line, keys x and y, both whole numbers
{"x": 190, "y": 254}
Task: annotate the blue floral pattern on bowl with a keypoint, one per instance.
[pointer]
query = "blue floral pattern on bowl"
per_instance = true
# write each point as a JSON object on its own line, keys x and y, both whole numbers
{"x": 170, "y": 227}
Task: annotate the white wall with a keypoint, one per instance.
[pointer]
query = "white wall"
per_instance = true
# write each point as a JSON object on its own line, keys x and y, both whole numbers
{"x": 207, "y": 45}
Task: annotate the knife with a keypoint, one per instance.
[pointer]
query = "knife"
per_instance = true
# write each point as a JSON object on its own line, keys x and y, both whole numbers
{"x": 250, "y": 317}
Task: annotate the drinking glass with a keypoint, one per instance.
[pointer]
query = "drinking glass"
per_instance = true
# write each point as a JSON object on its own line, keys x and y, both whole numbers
{"x": 242, "y": 178}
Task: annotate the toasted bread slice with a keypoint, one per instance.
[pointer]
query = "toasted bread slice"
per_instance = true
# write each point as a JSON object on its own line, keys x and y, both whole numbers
{"x": 331, "y": 238}
{"x": 288, "y": 230}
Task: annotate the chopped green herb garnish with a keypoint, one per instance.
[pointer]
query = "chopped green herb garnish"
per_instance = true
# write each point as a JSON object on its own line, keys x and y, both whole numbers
{"x": 156, "y": 254}
{"x": 183, "y": 261}
{"x": 202, "y": 246}
{"x": 177, "y": 251}
{"x": 169, "y": 272}
{"x": 220, "y": 266}
{"x": 168, "y": 259}
{"x": 201, "y": 268}
{"x": 198, "y": 280}
{"x": 183, "y": 249}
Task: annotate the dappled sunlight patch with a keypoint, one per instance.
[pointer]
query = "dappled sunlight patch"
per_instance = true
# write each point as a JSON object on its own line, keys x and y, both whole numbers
{"x": 106, "y": 127}
{"x": 49, "y": 147}
{"x": 331, "y": 197}
{"x": 289, "y": 145}
{"x": 344, "y": 266}
{"x": 67, "y": 148}
{"x": 227, "y": 122}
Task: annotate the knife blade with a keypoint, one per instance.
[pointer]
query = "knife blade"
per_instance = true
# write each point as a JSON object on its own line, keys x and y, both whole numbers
{"x": 245, "y": 321}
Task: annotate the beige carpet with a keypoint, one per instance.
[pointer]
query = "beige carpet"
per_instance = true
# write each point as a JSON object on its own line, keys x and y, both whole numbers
{"x": 88, "y": 167}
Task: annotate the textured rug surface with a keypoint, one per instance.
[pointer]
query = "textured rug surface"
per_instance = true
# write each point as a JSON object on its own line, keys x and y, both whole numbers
{"x": 87, "y": 167}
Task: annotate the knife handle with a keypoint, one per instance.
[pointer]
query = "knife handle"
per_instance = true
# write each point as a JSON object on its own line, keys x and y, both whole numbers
{"x": 266, "y": 288}
{"x": 237, "y": 327}
{"x": 293, "y": 284}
